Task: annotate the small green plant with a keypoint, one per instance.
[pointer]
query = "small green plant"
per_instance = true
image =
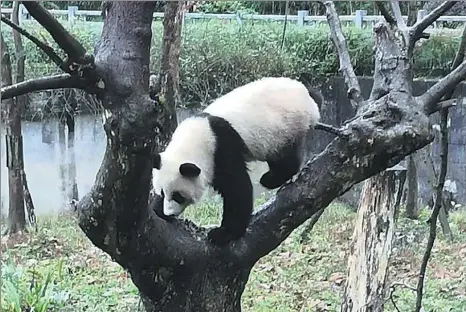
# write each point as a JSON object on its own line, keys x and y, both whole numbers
{"x": 36, "y": 294}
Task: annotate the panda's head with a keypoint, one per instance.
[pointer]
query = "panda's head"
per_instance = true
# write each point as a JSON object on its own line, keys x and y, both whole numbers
{"x": 180, "y": 183}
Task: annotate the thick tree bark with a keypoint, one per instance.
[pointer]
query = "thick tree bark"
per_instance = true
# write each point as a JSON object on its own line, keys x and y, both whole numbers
{"x": 371, "y": 245}
{"x": 14, "y": 151}
{"x": 172, "y": 263}
{"x": 412, "y": 188}
{"x": 22, "y": 103}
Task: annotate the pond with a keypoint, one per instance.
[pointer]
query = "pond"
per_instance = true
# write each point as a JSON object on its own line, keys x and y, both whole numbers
{"x": 42, "y": 162}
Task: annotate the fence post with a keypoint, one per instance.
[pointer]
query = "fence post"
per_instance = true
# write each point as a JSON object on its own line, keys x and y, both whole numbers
{"x": 359, "y": 18}
{"x": 23, "y": 13}
{"x": 72, "y": 14}
{"x": 420, "y": 15}
{"x": 301, "y": 16}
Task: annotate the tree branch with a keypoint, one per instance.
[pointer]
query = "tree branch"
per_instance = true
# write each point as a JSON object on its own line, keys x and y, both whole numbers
{"x": 420, "y": 26}
{"x": 431, "y": 97}
{"x": 458, "y": 61}
{"x": 437, "y": 207}
{"x": 400, "y": 22}
{"x": 65, "y": 40}
{"x": 44, "y": 83}
{"x": 362, "y": 151}
{"x": 386, "y": 14}
{"x": 354, "y": 90}
{"x": 49, "y": 51}
{"x": 327, "y": 128}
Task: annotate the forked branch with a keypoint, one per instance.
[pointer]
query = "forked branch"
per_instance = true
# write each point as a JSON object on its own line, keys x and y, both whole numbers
{"x": 44, "y": 83}
{"x": 49, "y": 51}
{"x": 65, "y": 40}
{"x": 354, "y": 90}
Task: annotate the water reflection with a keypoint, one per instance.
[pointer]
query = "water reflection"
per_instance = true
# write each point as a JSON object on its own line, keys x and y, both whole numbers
{"x": 43, "y": 156}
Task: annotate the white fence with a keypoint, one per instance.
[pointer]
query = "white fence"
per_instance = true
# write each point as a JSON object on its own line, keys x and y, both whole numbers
{"x": 301, "y": 18}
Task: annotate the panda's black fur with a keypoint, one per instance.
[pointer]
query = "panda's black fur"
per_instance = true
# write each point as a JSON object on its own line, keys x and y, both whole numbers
{"x": 227, "y": 169}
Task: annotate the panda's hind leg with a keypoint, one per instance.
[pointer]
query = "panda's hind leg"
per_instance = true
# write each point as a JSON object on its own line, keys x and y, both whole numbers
{"x": 282, "y": 166}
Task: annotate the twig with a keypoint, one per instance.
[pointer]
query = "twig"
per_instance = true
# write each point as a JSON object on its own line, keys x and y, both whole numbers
{"x": 44, "y": 83}
{"x": 65, "y": 40}
{"x": 327, "y": 128}
{"x": 354, "y": 90}
{"x": 437, "y": 206}
{"x": 421, "y": 25}
{"x": 43, "y": 46}
{"x": 388, "y": 17}
{"x": 284, "y": 24}
{"x": 310, "y": 225}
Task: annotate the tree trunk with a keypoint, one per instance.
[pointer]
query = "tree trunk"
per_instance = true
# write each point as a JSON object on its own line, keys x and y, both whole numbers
{"x": 372, "y": 243}
{"x": 169, "y": 68}
{"x": 22, "y": 100}
{"x": 14, "y": 151}
{"x": 205, "y": 288}
{"x": 412, "y": 189}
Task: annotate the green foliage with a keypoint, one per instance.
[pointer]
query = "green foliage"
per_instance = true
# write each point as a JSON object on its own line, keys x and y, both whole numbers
{"x": 225, "y": 7}
{"x": 67, "y": 273}
{"x": 217, "y": 56}
{"x": 37, "y": 294}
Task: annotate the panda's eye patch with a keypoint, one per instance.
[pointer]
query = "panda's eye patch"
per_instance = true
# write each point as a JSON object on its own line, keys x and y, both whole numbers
{"x": 177, "y": 197}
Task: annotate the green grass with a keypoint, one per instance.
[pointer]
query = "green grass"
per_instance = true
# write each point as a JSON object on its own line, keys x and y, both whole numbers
{"x": 58, "y": 269}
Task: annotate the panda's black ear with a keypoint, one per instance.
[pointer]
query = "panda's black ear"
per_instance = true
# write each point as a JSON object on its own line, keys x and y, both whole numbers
{"x": 189, "y": 170}
{"x": 156, "y": 161}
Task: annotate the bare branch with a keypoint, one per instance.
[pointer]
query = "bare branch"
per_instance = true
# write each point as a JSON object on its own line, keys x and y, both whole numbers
{"x": 398, "y": 16}
{"x": 65, "y": 40}
{"x": 400, "y": 21}
{"x": 432, "y": 96}
{"x": 327, "y": 128}
{"x": 44, "y": 83}
{"x": 43, "y": 46}
{"x": 386, "y": 14}
{"x": 437, "y": 207}
{"x": 420, "y": 26}
{"x": 354, "y": 90}
{"x": 310, "y": 225}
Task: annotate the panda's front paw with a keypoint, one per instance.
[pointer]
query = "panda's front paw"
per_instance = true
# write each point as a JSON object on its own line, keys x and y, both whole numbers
{"x": 220, "y": 236}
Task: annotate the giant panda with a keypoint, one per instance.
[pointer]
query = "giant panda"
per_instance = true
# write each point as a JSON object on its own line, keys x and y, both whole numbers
{"x": 265, "y": 120}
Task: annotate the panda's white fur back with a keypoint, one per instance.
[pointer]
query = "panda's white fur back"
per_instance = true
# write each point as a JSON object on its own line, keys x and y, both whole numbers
{"x": 268, "y": 113}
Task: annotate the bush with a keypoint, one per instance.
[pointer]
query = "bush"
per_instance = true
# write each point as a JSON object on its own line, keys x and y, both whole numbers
{"x": 217, "y": 56}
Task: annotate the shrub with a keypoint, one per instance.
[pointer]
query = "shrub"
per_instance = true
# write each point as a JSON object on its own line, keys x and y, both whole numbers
{"x": 217, "y": 56}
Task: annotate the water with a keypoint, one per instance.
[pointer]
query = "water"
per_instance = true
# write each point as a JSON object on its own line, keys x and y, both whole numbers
{"x": 42, "y": 162}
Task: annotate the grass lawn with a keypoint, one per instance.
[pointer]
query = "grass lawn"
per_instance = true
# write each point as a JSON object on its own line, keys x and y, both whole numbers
{"x": 58, "y": 269}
